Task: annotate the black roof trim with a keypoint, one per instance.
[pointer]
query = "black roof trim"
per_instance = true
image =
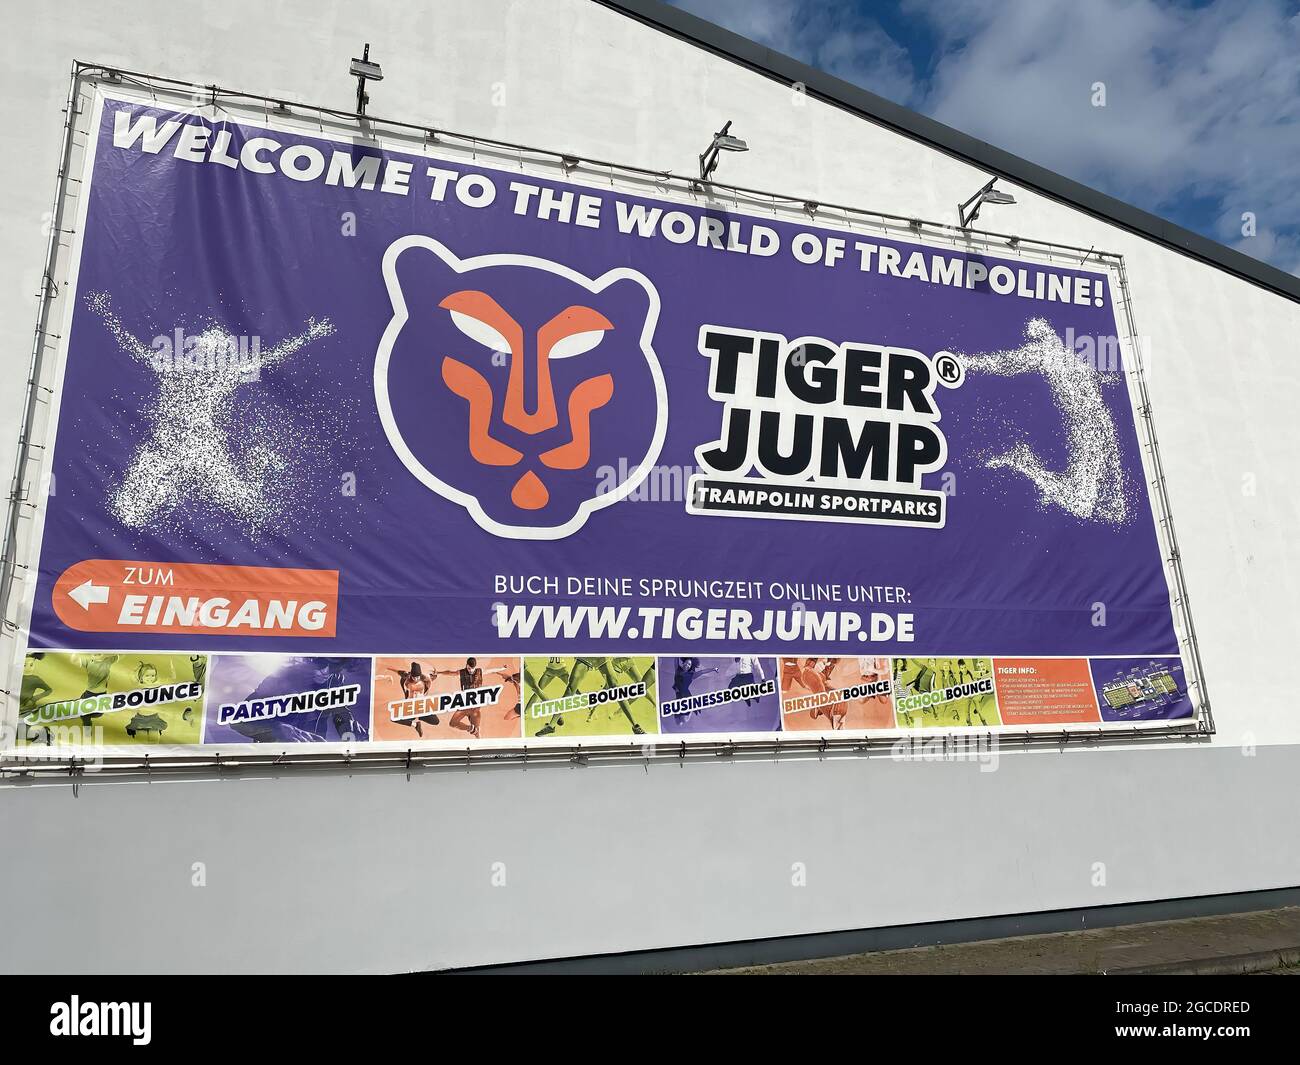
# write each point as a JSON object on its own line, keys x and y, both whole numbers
{"x": 867, "y": 105}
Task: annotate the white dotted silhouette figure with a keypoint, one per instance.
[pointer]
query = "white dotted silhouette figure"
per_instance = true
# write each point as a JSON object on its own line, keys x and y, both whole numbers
{"x": 189, "y": 454}
{"x": 1092, "y": 484}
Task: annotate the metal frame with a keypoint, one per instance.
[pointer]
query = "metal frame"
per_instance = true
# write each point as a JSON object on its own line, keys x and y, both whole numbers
{"x": 686, "y": 184}
{"x": 1199, "y": 728}
{"x": 938, "y": 746}
{"x": 1165, "y": 524}
{"x": 17, "y": 486}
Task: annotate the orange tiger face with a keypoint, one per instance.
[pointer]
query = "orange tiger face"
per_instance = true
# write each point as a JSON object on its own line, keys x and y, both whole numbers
{"x": 518, "y": 388}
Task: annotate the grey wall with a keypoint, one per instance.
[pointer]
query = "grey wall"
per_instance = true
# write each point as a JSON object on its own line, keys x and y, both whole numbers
{"x": 376, "y": 871}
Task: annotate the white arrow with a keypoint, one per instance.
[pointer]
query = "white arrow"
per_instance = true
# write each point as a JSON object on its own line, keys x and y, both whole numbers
{"x": 86, "y": 593}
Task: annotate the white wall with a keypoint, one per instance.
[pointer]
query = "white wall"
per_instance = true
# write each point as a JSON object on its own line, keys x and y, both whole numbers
{"x": 702, "y": 853}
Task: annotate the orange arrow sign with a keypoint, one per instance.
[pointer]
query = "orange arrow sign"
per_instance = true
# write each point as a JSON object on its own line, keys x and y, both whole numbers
{"x": 114, "y": 595}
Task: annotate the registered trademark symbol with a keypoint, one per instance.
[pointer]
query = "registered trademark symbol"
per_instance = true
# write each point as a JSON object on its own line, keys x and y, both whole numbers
{"x": 948, "y": 369}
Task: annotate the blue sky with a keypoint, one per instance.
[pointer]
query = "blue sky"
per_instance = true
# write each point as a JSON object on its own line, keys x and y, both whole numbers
{"x": 1201, "y": 122}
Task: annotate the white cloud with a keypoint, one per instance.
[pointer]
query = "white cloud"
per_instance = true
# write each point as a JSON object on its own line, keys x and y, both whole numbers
{"x": 839, "y": 41}
{"x": 1202, "y": 103}
{"x": 1202, "y": 115}
{"x": 769, "y": 22}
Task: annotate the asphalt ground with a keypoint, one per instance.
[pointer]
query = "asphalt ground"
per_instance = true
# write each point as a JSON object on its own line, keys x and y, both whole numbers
{"x": 1263, "y": 942}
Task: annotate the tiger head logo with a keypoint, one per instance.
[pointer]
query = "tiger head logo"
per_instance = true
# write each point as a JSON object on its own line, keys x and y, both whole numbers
{"x": 512, "y": 385}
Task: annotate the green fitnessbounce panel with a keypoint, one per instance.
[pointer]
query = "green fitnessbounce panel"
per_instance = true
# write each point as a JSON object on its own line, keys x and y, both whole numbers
{"x": 593, "y": 696}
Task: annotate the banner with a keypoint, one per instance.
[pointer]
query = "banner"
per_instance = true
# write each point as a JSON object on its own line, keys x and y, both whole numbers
{"x": 423, "y": 446}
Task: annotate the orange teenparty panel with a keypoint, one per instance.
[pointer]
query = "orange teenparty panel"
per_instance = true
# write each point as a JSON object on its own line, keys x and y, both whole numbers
{"x": 461, "y": 697}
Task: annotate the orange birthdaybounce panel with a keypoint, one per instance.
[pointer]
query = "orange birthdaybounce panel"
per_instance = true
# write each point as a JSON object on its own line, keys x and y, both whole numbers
{"x": 834, "y": 693}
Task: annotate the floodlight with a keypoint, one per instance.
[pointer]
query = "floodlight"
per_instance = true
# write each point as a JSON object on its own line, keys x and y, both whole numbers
{"x": 722, "y": 141}
{"x": 361, "y": 68}
{"x": 970, "y": 210}
{"x": 364, "y": 70}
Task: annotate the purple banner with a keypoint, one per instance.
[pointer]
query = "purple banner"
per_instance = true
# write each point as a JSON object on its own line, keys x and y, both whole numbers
{"x": 493, "y": 410}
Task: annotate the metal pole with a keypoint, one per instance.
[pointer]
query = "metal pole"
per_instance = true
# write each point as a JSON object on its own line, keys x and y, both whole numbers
{"x": 9, "y": 555}
{"x": 362, "y": 98}
{"x": 1182, "y": 605}
{"x": 34, "y": 764}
